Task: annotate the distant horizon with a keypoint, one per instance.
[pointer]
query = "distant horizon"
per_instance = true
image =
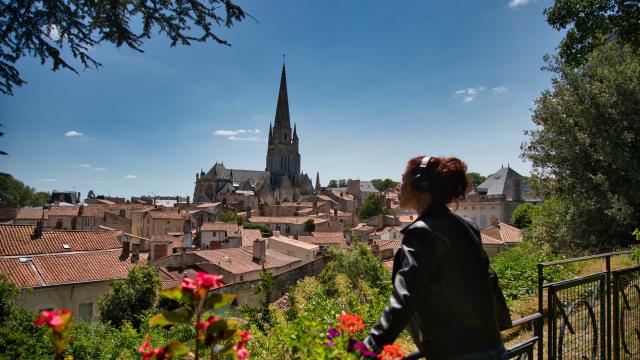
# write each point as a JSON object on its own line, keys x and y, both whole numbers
{"x": 367, "y": 93}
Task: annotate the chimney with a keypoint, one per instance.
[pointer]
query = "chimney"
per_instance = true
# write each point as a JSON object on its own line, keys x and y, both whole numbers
{"x": 125, "y": 247}
{"x": 135, "y": 253}
{"x": 81, "y": 210}
{"x": 188, "y": 201}
{"x": 37, "y": 231}
{"x": 259, "y": 251}
{"x": 186, "y": 236}
{"x": 341, "y": 194}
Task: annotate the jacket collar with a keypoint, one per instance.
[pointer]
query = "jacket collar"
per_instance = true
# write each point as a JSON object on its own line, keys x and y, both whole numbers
{"x": 431, "y": 209}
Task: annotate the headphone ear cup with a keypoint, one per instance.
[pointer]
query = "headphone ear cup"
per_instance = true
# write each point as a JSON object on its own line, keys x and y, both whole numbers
{"x": 420, "y": 183}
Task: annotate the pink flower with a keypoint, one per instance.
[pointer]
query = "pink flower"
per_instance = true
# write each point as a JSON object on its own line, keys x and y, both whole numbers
{"x": 245, "y": 336}
{"x": 146, "y": 355}
{"x": 242, "y": 353}
{"x": 188, "y": 284}
{"x": 53, "y": 319}
{"x": 208, "y": 281}
{"x": 145, "y": 345}
{"x": 205, "y": 324}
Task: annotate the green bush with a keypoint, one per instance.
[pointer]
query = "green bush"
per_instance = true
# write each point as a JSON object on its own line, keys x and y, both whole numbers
{"x": 517, "y": 269}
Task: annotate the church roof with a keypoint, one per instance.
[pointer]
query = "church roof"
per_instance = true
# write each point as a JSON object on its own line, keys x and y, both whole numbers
{"x": 219, "y": 171}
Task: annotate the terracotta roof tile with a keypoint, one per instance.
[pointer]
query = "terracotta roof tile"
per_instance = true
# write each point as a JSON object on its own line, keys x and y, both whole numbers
{"x": 239, "y": 260}
{"x": 92, "y": 211}
{"x": 502, "y": 233}
{"x": 19, "y": 272}
{"x": 165, "y": 214}
{"x": 27, "y": 213}
{"x": 249, "y": 236}
{"x": 282, "y": 303}
{"x": 15, "y": 240}
{"x": 298, "y": 220}
{"x": 489, "y": 240}
{"x": 389, "y": 244}
{"x": 64, "y": 211}
{"x": 230, "y": 228}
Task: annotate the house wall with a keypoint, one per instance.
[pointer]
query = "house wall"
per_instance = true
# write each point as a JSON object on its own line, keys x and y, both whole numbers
{"x": 117, "y": 222}
{"x": 301, "y": 253}
{"x": 89, "y": 223}
{"x": 67, "y": 221}
{"x": 65, "y": 297}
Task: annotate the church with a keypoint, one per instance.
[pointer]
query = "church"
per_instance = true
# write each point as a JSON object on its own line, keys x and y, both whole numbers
{"x": 282, "y": 179}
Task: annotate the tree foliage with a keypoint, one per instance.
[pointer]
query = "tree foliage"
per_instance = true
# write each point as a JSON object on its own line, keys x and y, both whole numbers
{"x": 131, "y": 298}
{"x": 1, "y": 135}
{"x": 591, "y": 23}
{"x": 309, "y": 226}
{"x": 333, "y": 183}
{"x": 385, "y": 184}
{"x": 372, "y": 206}
{"x": 14, "y": 193}
{"x": 585, "y": 149}
{"x": 523, "y": 215}
{"x": 48, "y": 29}
{"x": 475, "y": 178}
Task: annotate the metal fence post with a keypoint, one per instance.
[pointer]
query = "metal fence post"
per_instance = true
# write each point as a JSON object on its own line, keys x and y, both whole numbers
{"x": 616, "y": 319}
{"x": 608, "y": 302}
{"x": 539, "y": 325}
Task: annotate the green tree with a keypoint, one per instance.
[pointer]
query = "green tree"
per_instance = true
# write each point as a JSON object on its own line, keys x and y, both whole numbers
{"x": 43, "y": 28}
{"x": 475, "y": 178}
{"x": 591, "y": 23}
{"x": 1, "y": 135}
{"x": 131, "y": 298}
{"x": 14, "y": 193}
{"x": 230, "y": 217}
{"x": 523, "y": 215}
{"x": 309, "y": 226}
{"x": 372, "y": 206}
{"x": 342, "y": 182}
{"x": 333, "y": 183}
{"x": 385, "y": 184}
{"x": 584, "y": 150}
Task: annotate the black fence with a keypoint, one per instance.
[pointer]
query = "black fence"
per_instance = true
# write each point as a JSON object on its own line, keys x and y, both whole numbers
{"x": 594, "y": 317}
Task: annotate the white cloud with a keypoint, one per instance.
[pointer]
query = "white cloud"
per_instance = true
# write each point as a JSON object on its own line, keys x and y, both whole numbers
{"x": 233, "y": 134}
{"x": 73, "y": 133}
{"x": 469, "y": 94}
{"x": 99, "y": 169}
{"x": 98, "y": 182}
{"x": 85, "y": 165}
{"x": 237, "y": 138}
{"x": 515, "y": 3}
{"x": 47, "y": 180}
{"x": 130, "y": 177}
{"x": 499, "y": 89}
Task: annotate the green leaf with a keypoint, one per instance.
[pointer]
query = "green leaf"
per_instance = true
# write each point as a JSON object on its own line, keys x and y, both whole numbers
{"x": 217, "y": 301}
{"x": 176, "y": 293}
{"x": 176, "y": 348}
{"x": 179, "y": 316}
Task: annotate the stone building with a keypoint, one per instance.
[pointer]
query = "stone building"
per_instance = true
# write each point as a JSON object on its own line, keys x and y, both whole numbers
{"x": 282, "y": 179}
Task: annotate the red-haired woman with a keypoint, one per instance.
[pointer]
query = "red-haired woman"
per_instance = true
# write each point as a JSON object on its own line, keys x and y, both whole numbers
{"x": 442, "y": 290}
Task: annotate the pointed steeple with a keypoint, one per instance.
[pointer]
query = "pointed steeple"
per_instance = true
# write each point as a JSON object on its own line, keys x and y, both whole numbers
{"x": 318, "y": 187}
{"x": 295, "y": 133}
{"x": 282, "y": 109}
{"x": 270, "y": 134}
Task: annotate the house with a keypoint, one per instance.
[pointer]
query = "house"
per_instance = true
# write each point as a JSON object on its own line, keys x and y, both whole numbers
{"x": 346, "y": 202}
{"x": 362, "y": 231}
{"x": 218, "y": 235}
{"x": 63, "y": 217}
{"x": 496, "y": 238}
{"x": 302, "y": 250}
{"x": 295, "y": 224}
{"x": 361, "y": 190}
{"x": 162, "y": 221}
{"x": 63, "y": 269}
{"x": 385, "y": 249}
{"x": 325, "y": 240}
{"x": 90, "y": 217}
{"x": 495, "y": 199}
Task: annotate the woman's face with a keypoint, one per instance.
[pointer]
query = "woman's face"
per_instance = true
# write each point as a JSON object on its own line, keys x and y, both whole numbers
{"x": 406, "y": 194}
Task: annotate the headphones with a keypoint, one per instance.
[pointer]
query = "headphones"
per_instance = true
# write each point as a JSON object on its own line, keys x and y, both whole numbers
{"x": 420, "y": 182}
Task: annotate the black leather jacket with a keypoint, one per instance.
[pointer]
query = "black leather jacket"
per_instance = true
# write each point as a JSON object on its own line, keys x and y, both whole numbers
{"x": 441, "y": 289}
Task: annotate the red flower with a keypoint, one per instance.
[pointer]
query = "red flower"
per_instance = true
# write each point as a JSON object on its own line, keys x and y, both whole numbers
{"x": 205, "y": 324}
{"x": 208, "y": 281}
{"x": 188, "y": 284}
{"x": 350, "y": 323}
{"x": 391, "y": 352}
{"x": 53, "y": 319}
{"x": 146, "y": 355}
{"x": 239, "y": 347}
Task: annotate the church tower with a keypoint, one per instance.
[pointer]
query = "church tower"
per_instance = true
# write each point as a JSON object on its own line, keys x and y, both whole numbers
{"x": 283, "y": 157}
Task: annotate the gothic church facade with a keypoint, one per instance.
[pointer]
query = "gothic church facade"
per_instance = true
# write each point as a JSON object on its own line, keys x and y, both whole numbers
{"x": 282, "y": 179}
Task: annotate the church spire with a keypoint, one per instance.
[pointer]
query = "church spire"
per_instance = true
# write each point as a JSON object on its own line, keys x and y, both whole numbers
{"x": 318, "y": 187}
{"x": 295, "y": 133}
{"x": 270, "y": 134}
{"x": 282, "y": 109}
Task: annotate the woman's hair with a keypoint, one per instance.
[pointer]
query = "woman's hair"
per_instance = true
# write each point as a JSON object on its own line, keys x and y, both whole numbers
{"x": 447, "y": 178}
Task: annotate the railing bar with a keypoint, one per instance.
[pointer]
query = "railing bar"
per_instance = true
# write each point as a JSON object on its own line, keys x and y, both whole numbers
{"x": 564, "y": 284}
{"x": 526, "y": 319}
{"x": 583, "y": 258}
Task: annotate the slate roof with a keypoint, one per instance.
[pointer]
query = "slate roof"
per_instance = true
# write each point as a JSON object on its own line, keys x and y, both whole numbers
{"x": 219, "y": 171}
{"x": 15, "y": 240}
{"x": 367, "y": 186}
{"x": 76, "y": 267}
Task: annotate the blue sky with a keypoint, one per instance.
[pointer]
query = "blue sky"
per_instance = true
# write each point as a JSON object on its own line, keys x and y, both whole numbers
{"x": 371, "y": 84}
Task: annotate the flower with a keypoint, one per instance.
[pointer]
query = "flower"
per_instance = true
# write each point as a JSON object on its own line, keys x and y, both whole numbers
{"x": 391, "y": 352}
{"x": 364, "y": 351}
{"x": 188, "y": 284}
{"x": 329, "y": 343}
{"x": 208, "y": 281}
{"x": 205, "y": 324}
{"x": 242, "y": 353}
{"x": 332, "y": 333}
{"x": 350, "y": 323}
{"x": 54, "y": 319}
{"x": 146, "y": 355}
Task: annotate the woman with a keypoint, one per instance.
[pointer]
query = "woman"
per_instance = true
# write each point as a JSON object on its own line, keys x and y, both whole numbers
{"x": 442, "y": 290}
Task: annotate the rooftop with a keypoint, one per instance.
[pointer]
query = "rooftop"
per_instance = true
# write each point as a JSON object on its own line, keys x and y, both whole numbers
{"x": 239, "y": 260}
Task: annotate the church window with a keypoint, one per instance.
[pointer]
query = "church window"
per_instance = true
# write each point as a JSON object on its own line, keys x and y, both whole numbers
{"x": 285, "y": 136}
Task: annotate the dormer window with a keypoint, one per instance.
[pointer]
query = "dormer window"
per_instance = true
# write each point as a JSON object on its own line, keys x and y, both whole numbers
{"x": 66, "y": 246}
